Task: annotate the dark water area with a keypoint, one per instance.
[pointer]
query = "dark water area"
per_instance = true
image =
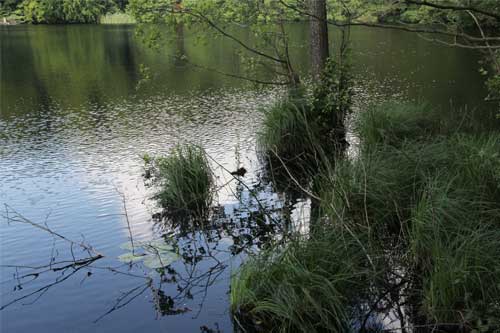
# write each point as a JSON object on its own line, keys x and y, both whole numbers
{"x": 75, "y": 118}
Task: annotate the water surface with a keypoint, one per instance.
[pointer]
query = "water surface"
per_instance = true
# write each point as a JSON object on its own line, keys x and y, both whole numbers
{"x": 75, "y": 120}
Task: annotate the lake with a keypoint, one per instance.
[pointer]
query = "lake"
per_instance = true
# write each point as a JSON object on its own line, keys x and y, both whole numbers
{"x": 76, "y": 117}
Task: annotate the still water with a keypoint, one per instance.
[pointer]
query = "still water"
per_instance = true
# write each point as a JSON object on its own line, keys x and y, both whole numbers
{"x": 75, "y": 118}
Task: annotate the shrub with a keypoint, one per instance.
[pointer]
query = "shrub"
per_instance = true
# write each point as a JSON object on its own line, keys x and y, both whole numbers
{"x": 63, "y": 11}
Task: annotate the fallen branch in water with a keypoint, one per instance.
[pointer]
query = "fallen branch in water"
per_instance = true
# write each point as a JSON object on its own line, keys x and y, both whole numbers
{"x": 12, "y": 216}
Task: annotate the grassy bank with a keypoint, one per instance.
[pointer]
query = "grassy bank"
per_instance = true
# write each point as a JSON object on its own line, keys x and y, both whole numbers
{"x": 117, "y": 18}
{"x": 411, "y": 226}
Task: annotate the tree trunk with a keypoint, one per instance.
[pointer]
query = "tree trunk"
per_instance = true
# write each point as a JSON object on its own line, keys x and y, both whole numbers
{"x": 319, "y": 36}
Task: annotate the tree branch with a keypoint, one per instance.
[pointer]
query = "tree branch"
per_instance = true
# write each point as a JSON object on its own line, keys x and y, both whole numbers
{"x": 228, "y": 35}
{"x": 453, "y": 7}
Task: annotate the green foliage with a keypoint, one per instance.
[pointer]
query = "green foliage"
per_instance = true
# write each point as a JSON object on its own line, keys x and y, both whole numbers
{"x": 149, "y": 11}
{"x": 116, "y": 18}
{"x": 421, "y": 201}
{"x": 306, "y": 132}
{"x": 63, "y": 11}
{"x": 184, "y": 179}
{"x": 295, "y": 133}
{"x": 332, "y": 98}
{"x": 434, "y": 199}
{"x": 263, "y": 20}
{"x": 311, "y": 285}
{"x": 8, "y": 7}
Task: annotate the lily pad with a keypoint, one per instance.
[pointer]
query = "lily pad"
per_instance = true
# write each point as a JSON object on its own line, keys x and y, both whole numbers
{"x": 152, "y": 246}
{"x": 160, "y": 260}
{"x": 128, "y": 245}
{"x": 158, "y": 246}
{"x": 131, "y": 257}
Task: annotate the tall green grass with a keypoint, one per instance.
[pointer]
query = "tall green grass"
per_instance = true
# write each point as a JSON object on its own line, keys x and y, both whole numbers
{"x": 290, "y": 131}
{"x": 421, "y": 201}
{"x": 454, "y": 240}
{"x": 184, "y": 181}
{"x": 392, "y": 123}
{"x": 311, "y": 285}
{"x": 294, "y": 143}
{"x": 434, "y": 207}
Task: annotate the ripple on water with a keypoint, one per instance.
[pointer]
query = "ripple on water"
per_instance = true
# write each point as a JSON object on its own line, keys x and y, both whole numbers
{"x": 70, "y": 165}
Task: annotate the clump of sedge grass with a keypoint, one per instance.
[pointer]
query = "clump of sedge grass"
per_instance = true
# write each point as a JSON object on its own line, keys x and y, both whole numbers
{"x": 292, "y": 132}
{"x": 184, "y": 181}
{"x": 435, "y": 207}
{"x": 454, "y": 246}
{"x": 311, "y": 285}
{"x": 393, "y": 123}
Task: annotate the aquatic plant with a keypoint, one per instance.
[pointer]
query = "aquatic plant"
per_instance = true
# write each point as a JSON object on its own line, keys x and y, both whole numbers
{"x": 291, "y": 139}
{"x": 184, "y": 181}
{"x": 434, "y": 209}
{"x": 310, "y": 285}
{"x": 392, "y": 123}
{"x": 155, "y": 254}
{"x": 417, "y": 211}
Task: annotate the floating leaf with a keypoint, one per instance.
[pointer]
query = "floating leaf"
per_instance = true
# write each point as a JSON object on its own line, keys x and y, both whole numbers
{"x": 158, "y": 246}
{"x": 160, "y": 260}
{"x": 128, "y": 245}
{"x": 131, "y": 257}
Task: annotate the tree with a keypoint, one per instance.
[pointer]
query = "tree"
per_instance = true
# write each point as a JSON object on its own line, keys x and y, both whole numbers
{"x": 319, "y": 36}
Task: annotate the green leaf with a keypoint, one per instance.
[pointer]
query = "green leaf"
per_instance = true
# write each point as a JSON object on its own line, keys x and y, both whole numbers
{"x": 161, "y": 260}
{"x": 131, "y": 257}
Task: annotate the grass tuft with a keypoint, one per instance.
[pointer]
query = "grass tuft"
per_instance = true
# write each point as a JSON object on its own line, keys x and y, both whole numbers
{"x": 311, "y": 285}
{"x": 184, "y": 179}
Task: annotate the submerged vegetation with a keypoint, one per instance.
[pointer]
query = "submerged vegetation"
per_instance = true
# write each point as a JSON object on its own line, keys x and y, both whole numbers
{"x": 409, "y": 226}
{"x": 184, "y": 180}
